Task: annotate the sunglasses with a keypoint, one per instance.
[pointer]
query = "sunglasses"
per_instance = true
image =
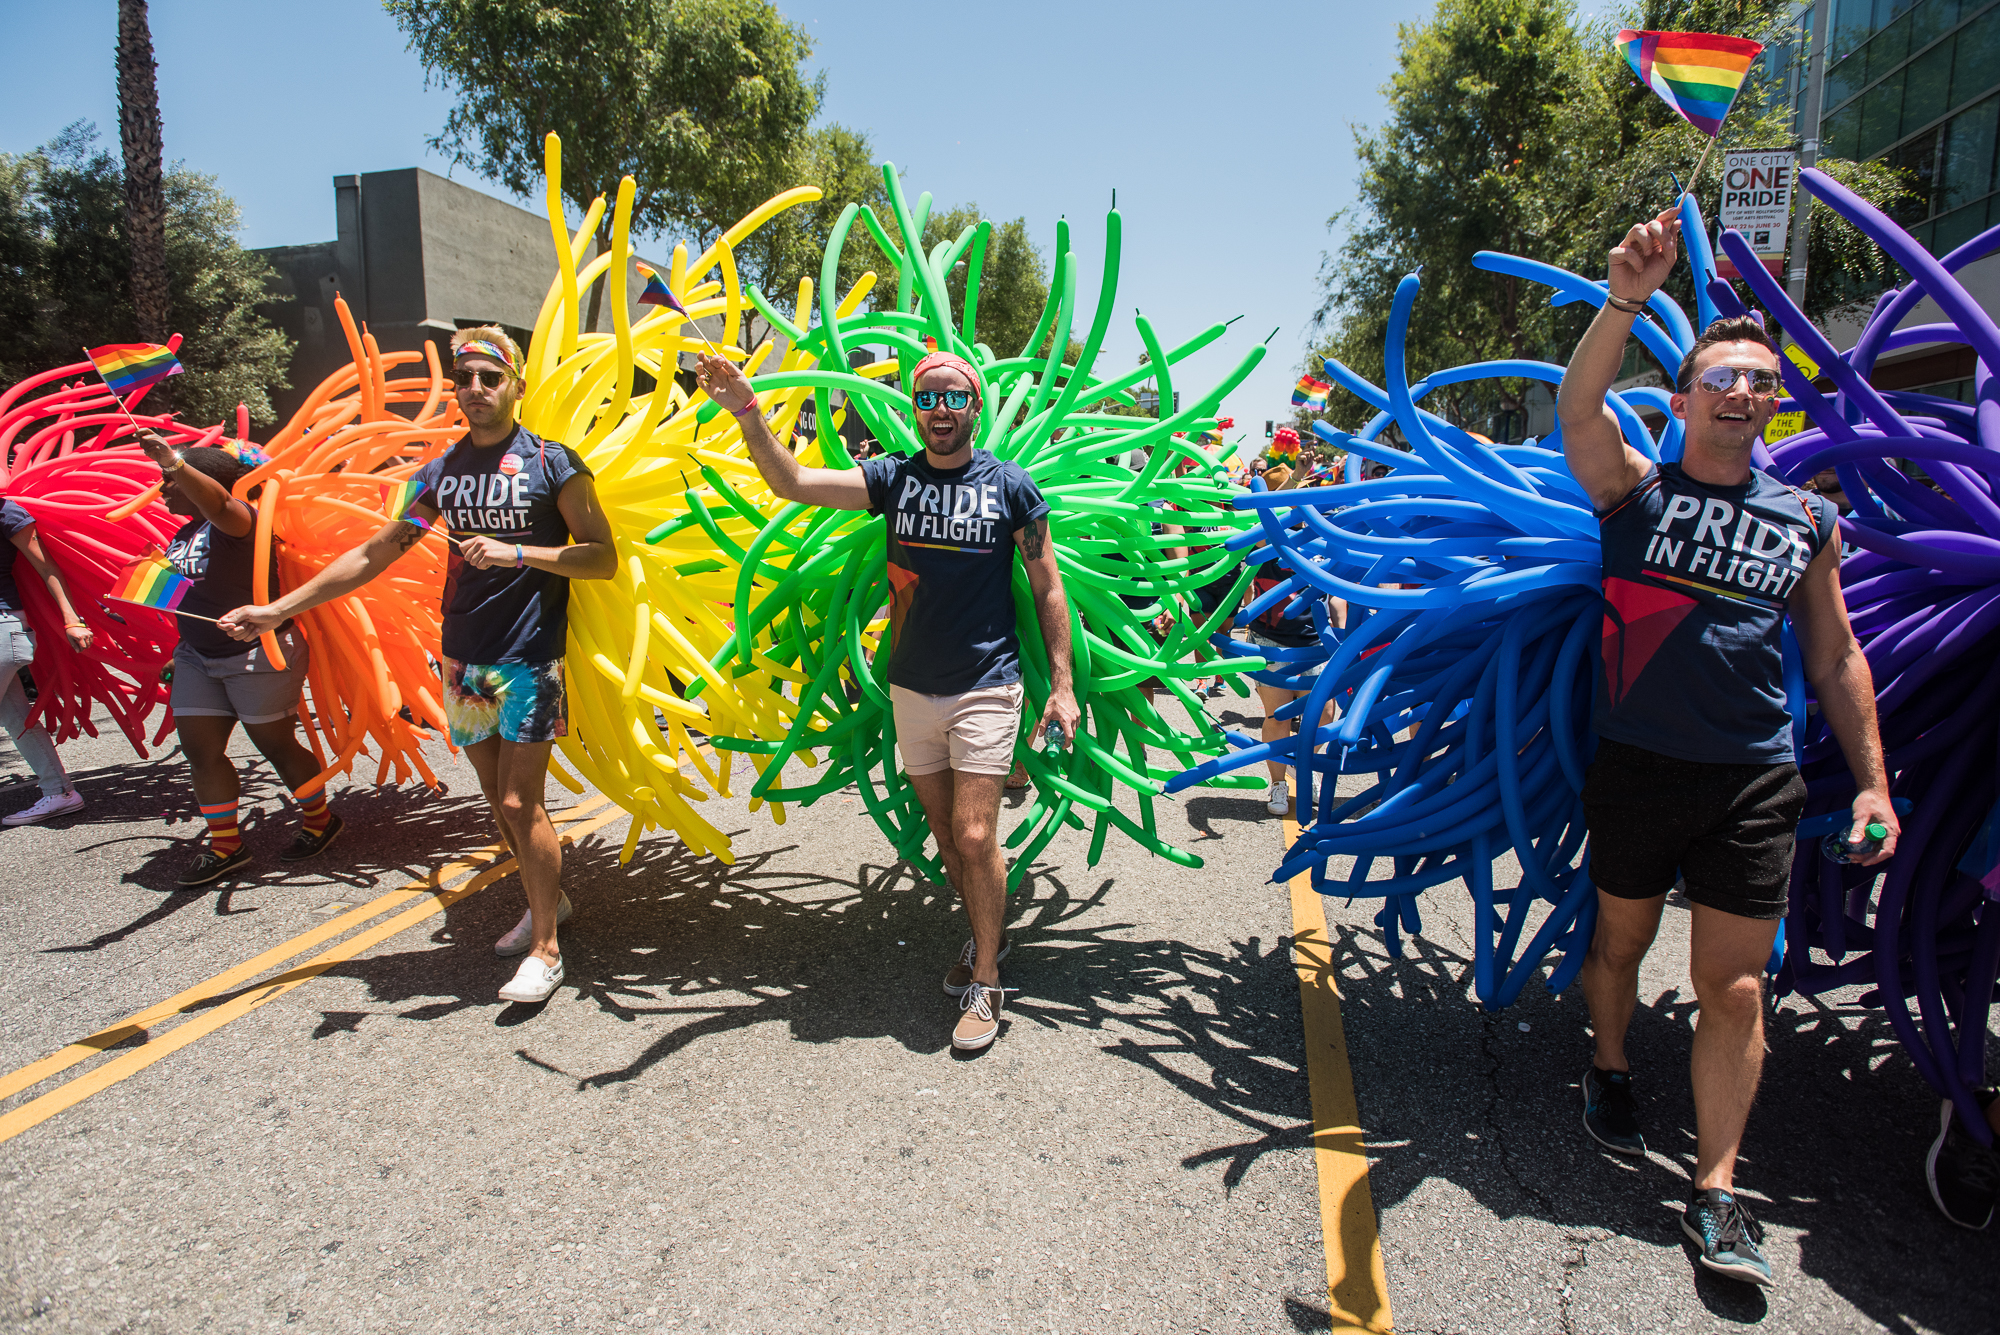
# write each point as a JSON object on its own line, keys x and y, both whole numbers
{"x": 954, "y": 399}
{"x": 484, "y": 379}
{"x": 1764, "y": 384}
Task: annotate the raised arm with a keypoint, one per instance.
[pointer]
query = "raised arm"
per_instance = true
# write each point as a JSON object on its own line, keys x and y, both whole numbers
{"x": 1038, "y": 558}
{"x": 837, "y": 488}
{"x": 203, "y": 492}
{"x": 1845, "y": 689}
{"x": 342, "y": 576}
{"x": 1603, "y": 464}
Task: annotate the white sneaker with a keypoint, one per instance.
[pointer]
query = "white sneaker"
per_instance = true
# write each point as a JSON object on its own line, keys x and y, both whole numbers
{"x": 1280, "y": 799}
{"x": 533, "y": 981}
{"x": 522, "y": 936}
{"x": 59, "y": 804}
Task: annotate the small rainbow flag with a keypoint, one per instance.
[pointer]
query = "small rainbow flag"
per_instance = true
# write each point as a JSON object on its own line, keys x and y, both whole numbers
{"x": 1698, "y": 74}
{"x": 1311, "y": 393}
{"x": 657, "y": 292}
{"x": 129, "y": 366}
{"x": 398, "y": 497}
{"x": 150, "y": 582}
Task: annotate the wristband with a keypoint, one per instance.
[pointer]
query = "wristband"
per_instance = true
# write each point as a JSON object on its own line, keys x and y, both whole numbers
{"x": 520, "y": 557}
{"x": 750, "y": 407}
{"x": 1625, "y": 304}
{"x": 74, "y": 625}
{"x": 179, "y": 464}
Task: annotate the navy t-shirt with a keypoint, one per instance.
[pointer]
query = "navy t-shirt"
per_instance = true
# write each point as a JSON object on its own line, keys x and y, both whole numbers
{"x": 221, "y": 568}
{"x": 951, "y": 568}
{"x": 1696, "y": 579}
{"x": 509, "y": 614}
{"x": 12, "y": 520}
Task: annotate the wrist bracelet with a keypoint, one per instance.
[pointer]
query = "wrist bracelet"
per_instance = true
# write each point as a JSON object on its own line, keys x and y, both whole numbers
{"x": 1625, "y": 304}
{"x": 520, "y": 556}
{"x": 179, "y": 464}
{"x": 750, "y": 407}
{"x": 74, "y": 625}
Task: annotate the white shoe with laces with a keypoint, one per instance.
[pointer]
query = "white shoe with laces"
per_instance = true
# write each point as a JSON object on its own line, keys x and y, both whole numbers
{"x": 522, "y": 935}
{"x": 53, "y": 805}
{"x": 1279, "y": 800}
{"x": 533, "y": 981}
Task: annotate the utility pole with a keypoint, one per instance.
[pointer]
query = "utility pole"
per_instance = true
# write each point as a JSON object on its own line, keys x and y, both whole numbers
{"x": 1808, "y": 151}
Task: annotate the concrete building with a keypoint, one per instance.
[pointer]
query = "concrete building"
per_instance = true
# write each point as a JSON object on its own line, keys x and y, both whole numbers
{"x": 417, "y": 257}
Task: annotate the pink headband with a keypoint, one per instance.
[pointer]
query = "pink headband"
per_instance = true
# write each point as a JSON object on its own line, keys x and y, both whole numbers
{"x": 956, "y": 363}
{"x": 480, "y": 347}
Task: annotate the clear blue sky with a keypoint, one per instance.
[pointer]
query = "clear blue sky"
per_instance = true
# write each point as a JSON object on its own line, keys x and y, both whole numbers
{"x": 1224, "y": 128}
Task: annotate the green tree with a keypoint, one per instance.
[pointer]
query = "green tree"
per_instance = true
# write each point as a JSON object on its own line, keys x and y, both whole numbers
{"x": 1514, "y": 127}
{"x": 65, "y": 277}
{"x": 704, "y": 103}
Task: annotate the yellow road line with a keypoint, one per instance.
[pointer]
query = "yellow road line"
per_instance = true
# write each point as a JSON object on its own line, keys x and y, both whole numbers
{"x": 1357, "y": 1286}
{"x": 38, "y": 1110}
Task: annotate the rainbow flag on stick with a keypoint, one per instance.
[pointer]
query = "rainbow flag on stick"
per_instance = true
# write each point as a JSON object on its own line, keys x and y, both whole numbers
{"x": 131, "y": 366}
{"x": 1311, "y": 394}
{"x": 657, "y": 293}
{"x": 1698, "y": 74}
{"x": 398, "y": 497}
{"x": 151, "y": 582}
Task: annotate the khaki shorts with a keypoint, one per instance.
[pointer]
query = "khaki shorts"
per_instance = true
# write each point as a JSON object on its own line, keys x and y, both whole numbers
{"x": 973, "y": 733}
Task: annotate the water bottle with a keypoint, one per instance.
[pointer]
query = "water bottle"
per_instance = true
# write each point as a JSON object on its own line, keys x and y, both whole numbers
{"x": 1835, "y": 848}
{"x": 1052, "y": 739}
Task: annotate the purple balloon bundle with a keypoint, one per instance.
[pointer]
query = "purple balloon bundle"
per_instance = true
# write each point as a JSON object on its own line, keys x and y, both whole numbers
{"x": 1923, "y": 591}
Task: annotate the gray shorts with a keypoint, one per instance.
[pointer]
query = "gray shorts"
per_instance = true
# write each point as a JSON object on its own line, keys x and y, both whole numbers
{"x": 1310, "y": 671}
{"x": 242, "y": 686}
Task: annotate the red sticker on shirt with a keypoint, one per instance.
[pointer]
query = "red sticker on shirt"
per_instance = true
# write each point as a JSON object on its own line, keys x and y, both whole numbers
{"x": 510, "y": 464}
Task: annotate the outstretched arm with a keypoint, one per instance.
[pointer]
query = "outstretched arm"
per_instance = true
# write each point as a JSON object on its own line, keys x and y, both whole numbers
{"x": 836, "y": 488}
{"x": 1846, "y": 692}
{"x": 1038, "y": 558}
{"x": 1600, "y": 460}
{"x": 342, "y": 576}
{"x": 203, "y": 492}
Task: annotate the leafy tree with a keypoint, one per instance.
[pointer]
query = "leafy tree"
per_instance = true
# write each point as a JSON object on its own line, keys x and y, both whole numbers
{"x": 703, "y": 103}
{"x": 65, "y": 277}
{"x": 1514, "y": 127}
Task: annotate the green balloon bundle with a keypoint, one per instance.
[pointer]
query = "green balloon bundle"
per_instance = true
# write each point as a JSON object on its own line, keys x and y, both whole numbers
{"x": 811, "y": 583}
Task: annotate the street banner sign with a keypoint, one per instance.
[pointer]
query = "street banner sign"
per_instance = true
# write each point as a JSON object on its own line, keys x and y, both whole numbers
{"x": 1757, "y": 187}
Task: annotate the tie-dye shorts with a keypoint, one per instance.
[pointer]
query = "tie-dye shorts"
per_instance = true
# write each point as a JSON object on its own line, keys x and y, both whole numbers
{"x": 518, "y": 702}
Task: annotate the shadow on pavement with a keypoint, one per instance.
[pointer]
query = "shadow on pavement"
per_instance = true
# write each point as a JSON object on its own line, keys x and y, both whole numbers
{"x": 697, "y": 948}
{"x": 1835, "y": 1147}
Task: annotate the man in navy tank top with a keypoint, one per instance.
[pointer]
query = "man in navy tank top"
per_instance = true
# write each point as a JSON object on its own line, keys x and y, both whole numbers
{"x": 1694, "y": 778}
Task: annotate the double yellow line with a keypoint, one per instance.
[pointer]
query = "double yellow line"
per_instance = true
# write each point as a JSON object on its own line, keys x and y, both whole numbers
{"x": 435, "y": 893}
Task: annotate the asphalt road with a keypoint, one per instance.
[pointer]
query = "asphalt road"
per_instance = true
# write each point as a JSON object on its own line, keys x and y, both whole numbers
{"x": 743, "y": 1113}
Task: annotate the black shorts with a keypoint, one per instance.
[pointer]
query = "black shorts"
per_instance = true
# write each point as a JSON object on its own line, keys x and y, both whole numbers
{"x": 1727, "y": 829}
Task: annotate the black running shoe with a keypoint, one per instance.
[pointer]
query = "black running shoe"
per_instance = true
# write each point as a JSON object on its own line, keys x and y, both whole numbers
{"x": 1609, "y": 1114}
{"x": 309, "y": 845}
{"x": 212, "y": 866}
{"x": 1717, "y": 1223}
{"x": 1964, "y": 1175}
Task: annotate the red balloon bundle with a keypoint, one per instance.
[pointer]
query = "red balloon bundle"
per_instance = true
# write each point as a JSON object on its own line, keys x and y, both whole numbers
{"x": 96, "y": 509}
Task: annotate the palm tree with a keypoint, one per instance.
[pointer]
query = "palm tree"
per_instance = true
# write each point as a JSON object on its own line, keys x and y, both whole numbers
{"x": 145, "y": 189}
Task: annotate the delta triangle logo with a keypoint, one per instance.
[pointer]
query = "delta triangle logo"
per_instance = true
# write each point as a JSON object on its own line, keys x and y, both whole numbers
{"x": 1637, "y": 620}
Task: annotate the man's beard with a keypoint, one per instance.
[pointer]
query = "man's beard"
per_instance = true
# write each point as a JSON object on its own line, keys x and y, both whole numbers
{"x": 952, "y": 444}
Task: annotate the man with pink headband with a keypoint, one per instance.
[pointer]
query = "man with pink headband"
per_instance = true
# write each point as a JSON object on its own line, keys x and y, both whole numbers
{"x": 523, "y": 521}
{"x": 955, "y": 516}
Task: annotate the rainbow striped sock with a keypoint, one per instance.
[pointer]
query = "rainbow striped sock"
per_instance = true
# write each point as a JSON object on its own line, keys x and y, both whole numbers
{"x": 224, "y": 838}
{"x": 312, "y": 811}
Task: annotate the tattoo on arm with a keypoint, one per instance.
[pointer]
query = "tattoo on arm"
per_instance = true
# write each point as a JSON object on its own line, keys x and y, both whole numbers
{"x": 1034, "y": 539}
{"x": 408, "y": 535}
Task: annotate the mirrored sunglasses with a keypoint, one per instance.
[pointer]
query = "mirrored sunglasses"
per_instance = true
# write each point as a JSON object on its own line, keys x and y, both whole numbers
{"x": 485, "y": 379}
{"x": 954, "y": 399}
{"x": 1764, "y": 384}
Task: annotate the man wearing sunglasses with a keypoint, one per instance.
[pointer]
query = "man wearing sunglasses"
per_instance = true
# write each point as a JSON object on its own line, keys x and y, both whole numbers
{"x": 1694, "y": 777}
{"x": 521, "y": 520}
{"x": 955, "y": 517}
